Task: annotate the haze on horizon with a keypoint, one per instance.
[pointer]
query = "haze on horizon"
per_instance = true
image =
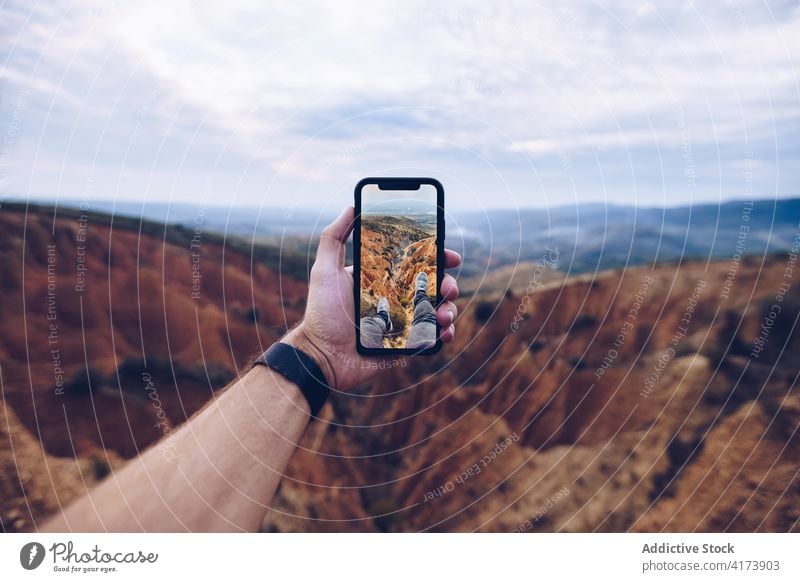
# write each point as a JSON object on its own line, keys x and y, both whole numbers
{"x": 517, "y": 105}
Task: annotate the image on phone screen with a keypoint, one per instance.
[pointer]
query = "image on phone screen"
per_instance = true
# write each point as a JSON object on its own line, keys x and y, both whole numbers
{"x": 398, "y": 274}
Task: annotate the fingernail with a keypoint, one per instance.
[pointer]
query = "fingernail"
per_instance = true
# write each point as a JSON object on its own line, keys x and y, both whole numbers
{"x": 452, "y": 316}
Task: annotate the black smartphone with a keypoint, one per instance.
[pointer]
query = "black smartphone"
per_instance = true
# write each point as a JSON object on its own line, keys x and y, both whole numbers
{"x": 398, "y": 264}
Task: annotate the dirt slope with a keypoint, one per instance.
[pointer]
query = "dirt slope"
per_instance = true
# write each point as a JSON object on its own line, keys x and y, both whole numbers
{"x": 627, "y": 401}
{"x": 393, "y": 251}
{"x": 670, "y": 425}
{"x": 98, "y": 320}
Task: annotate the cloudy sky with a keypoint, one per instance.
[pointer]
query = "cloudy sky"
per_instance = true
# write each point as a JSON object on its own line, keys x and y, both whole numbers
{"x": 513, "y": 104}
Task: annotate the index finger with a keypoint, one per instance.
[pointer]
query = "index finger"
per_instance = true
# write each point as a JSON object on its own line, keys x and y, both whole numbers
{"x": 451, "y": 259}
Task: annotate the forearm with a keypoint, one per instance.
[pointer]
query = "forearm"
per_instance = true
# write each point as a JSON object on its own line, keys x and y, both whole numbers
{"x": 218, "y": 472}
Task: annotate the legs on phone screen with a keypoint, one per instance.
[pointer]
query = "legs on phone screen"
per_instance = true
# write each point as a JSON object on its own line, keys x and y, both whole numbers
{"x": 374, "y": 328}
{"x": 423, "y": 328}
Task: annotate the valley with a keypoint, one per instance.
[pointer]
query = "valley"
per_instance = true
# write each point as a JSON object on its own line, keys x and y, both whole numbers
{"x": 393, "y": 251}
{"x": 578, "y": 404}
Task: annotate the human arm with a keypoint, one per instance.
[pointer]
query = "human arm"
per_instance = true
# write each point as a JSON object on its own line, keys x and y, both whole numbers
{"x": 217, "y": 473}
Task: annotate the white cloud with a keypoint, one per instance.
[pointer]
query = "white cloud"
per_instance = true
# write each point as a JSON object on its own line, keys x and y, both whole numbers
{"x": 285, "y": 86}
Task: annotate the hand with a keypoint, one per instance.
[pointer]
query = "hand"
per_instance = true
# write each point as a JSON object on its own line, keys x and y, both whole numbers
{"x": 327, "y": 332}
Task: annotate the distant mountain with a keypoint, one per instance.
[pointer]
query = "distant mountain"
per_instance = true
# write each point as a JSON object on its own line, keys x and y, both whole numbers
{"x": 403, "y": 207}
{"x": 588, "y": 237}
{"x": 597, "y": 237}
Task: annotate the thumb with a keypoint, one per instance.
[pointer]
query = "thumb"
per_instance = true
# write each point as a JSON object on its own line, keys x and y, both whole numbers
{"x": 330, "y": 253}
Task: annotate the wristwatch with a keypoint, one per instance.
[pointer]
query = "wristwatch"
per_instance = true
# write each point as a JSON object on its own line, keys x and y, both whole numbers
{"x": 299, "y": 368}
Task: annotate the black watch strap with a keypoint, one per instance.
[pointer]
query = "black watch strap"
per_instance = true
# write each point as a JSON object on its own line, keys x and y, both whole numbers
{"x": 301, "y": 369}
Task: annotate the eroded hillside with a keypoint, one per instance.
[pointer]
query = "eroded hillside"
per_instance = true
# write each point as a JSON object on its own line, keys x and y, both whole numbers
{"x": 393, "y": 251}
{"x": 623, "y": 401}
{"x": 98, "y": 319}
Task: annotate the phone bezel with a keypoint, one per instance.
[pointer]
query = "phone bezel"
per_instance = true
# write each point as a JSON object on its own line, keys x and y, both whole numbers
{"x": 397, "y": 184}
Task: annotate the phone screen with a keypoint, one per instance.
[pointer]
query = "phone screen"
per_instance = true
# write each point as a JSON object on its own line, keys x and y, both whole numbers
{"x": 398, "y": 260}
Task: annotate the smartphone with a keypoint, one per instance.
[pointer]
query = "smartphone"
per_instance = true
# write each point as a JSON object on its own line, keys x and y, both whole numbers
{"x": 398, "y": 264}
